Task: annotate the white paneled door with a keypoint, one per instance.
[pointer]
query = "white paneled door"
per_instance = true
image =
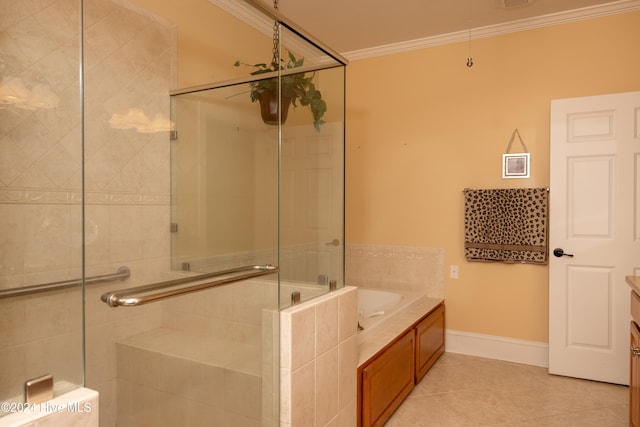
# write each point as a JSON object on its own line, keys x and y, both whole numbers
{"x": 595, "y": 222}
{"x": 312, "y": 199}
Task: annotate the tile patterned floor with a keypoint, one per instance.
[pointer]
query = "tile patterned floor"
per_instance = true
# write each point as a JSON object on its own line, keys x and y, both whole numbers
{"x": 471, "y": 391}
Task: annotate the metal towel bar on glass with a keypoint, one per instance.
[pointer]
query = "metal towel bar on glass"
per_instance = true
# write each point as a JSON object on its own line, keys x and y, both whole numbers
{"x": 122, "y": 274}
{"x": 149, "y": 293}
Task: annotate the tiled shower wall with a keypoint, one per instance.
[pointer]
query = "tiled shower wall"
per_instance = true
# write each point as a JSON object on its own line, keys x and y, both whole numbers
{"x": 129, "y": 67}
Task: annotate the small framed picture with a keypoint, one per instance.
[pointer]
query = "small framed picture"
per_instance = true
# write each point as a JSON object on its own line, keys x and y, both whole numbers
{"x": 515, "y": 165}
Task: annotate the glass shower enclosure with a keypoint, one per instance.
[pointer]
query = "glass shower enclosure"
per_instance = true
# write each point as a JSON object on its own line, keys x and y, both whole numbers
{"x": 262, "y": 192}
{"x": 153, "y": 223}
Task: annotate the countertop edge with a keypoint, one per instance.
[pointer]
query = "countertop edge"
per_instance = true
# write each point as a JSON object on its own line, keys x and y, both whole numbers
{"x": 370, "y": 344}
{"x": 634, "y": 283}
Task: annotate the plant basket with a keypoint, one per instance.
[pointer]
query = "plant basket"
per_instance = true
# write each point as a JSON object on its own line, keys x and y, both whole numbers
{"x": 269, "y": 108}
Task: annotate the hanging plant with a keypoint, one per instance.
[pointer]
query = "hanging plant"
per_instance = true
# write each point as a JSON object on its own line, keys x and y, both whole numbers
{"x": 296, "y": 88}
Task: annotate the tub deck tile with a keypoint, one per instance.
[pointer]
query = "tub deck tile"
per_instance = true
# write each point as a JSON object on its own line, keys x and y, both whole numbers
{"x": 373, "y": 339}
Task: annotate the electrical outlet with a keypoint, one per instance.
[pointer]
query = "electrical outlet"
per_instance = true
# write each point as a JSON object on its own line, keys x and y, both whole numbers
{"x": 453, "y": 271}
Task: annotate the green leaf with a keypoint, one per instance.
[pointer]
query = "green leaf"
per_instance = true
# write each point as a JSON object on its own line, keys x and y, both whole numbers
{"x": 299, "y": 87}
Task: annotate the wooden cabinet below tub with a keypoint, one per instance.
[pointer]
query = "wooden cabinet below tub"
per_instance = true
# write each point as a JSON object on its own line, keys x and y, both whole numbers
{"x": 429, "y": 341}
{"x": 388, "y": 377}
{"x": 387, "y": 380}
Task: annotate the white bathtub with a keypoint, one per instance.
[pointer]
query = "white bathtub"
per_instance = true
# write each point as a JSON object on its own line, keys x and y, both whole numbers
{"x": 376, "y": 305}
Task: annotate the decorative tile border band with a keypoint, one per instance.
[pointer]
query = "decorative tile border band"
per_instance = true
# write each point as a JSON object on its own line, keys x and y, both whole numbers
{"x": 75, "y": 197}
{"x": 398, "y": 252}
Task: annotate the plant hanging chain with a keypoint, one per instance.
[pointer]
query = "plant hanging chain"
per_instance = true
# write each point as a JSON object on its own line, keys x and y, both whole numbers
{"x": 469, "y": 58}
{"x": 276, "y": 39}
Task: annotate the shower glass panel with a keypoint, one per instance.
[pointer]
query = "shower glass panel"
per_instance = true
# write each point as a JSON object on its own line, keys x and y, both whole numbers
{"x": 224, "y": 216}
{"x": 224, "y": 182}
{"x": 311, "y": 179}
{"x": 129, "y": 66}
{"x": 40, "y": 198}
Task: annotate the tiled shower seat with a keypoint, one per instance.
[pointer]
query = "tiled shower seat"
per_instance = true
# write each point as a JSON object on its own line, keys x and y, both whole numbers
{"x": 174, "y": 378}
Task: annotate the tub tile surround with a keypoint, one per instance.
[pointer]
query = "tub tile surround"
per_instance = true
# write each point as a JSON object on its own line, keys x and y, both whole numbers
{"x": 404, "y": 268}
{"x": 415, "y": 271}
{"x": 318, "y": 356}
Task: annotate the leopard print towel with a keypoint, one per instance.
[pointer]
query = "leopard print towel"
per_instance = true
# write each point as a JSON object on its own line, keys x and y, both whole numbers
{"x": 506, "y": 225}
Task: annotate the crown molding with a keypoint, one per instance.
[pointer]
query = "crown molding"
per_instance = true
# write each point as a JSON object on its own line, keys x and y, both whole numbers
{"x": 261, "y": 17}
{"x": 622, "y": 6}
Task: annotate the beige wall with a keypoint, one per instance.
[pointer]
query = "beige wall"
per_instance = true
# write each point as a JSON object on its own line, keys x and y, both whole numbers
{"x": 422, "y": 127}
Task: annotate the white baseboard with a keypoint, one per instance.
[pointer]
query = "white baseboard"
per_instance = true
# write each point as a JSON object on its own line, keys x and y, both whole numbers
{"x": 494, "y": 347}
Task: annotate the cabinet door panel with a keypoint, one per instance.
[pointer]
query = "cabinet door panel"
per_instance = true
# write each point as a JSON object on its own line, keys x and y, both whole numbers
{"x": 429, "y": 341}
{"x": 387, "y": 381}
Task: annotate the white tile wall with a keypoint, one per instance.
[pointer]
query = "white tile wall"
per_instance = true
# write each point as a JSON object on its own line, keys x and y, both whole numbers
{"x": 318, "y": 361}
{"x": 407, "y": 268}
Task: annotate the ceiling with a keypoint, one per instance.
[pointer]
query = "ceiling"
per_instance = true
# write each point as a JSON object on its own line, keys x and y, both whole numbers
{"x": 356, "y": 25}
